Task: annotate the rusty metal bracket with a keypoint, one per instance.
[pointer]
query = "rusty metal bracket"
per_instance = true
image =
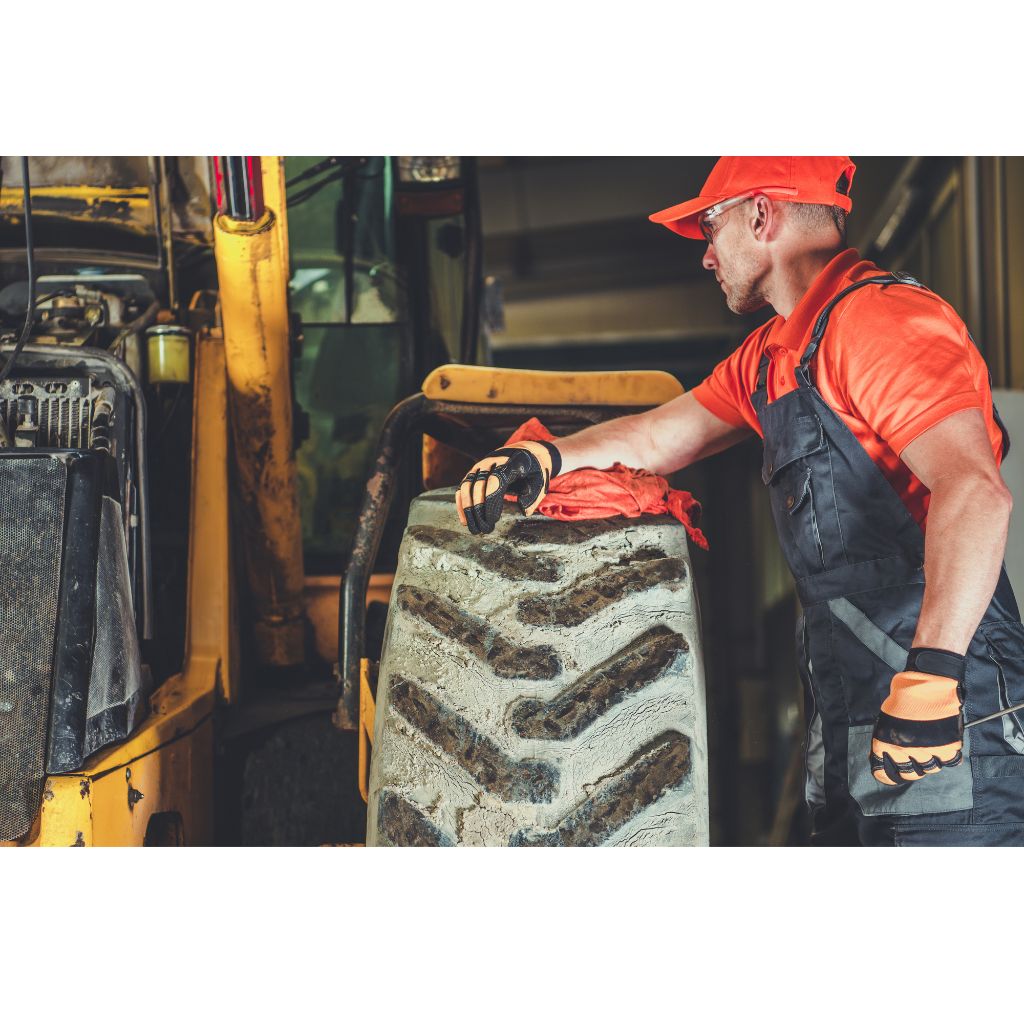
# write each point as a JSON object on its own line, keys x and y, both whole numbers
{"x": 417, "y": 414}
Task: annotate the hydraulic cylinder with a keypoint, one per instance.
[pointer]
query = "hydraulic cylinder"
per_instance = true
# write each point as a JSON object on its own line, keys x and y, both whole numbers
{"x": 254, "y": 306}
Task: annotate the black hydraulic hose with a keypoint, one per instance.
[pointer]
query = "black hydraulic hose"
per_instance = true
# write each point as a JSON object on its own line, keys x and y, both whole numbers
{"x": 30, "y": 249}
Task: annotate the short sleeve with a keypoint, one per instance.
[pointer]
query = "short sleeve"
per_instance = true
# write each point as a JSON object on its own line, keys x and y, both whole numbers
{"x": 726, "y": 392}
{"x": 904, "y": 361}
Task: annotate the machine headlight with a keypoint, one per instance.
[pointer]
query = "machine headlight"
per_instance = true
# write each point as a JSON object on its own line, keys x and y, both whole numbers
{"x": 428, "y": 169}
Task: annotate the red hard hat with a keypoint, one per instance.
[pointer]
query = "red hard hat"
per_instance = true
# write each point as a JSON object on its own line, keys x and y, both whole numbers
{"x": 794, "y": 179}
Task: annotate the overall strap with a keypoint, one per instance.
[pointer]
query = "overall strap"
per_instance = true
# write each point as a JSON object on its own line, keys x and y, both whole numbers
{"x": 762, "y": 372}
{"x": 803, "y": 374}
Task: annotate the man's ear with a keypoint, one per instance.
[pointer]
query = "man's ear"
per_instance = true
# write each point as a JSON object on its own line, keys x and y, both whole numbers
{"x": 762, "y": 218}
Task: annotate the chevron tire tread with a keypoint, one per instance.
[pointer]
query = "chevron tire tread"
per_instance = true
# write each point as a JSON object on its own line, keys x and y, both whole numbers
{"x": 542, "y": 685}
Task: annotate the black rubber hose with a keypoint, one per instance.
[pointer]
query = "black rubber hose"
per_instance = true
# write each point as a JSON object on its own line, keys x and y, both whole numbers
{"x": 30, "y": 249}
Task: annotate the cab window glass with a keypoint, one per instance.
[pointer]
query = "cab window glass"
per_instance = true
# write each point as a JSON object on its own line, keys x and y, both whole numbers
{"x": 346, "y": 286}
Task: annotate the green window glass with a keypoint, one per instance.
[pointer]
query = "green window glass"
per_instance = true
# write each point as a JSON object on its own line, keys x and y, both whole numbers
{"x": 354, "y": 364}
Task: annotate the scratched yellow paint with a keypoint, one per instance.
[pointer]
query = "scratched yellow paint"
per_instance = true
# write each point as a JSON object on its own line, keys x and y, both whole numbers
{"x": 458, "y": 382}
{"x": 134, "y": 201}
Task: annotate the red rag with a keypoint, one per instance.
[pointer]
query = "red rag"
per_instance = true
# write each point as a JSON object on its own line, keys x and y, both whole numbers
{"x": 619, "y": 491}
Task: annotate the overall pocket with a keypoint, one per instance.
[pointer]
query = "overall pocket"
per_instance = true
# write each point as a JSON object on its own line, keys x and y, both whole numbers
{"x": 867, "y": 657}
{"x": 796, "y": 519}
{"x": 1006, "y": 651}
{"x": 952, "y": 789}
{"x": 803, "y": 519}
{"x": 789, "y": 471}
{"x": 804, "y": 436}
{"x": 995, "y": 681}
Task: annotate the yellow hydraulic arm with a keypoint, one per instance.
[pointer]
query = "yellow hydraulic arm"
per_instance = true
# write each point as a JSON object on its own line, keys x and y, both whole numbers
{"x": 252, "y": 267}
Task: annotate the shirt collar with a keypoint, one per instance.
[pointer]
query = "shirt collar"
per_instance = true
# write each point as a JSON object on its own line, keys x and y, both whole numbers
{"x": 792, "y": 333}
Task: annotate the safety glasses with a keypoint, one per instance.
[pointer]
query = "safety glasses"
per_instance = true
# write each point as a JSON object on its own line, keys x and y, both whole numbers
{"x": 706, "y": 221}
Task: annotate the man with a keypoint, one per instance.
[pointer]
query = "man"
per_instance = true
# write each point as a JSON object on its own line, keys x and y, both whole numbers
{"x": 881, "y": 455}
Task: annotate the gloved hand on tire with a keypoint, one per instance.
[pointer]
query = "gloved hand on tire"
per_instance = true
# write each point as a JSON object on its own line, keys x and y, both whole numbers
{"x": 920, "y": 728}
{"x": 524, "y": 468}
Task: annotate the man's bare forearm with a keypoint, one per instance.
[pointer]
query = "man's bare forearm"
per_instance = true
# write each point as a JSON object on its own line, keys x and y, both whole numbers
{"x": 968, "y": 517}
{"x": 968, "y": 521}
{"x": 661, "y": 440}
{"x": 619, "y": 440}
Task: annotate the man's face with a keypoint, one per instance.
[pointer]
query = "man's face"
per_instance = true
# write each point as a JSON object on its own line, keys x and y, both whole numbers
{"x": 739, "y": 263}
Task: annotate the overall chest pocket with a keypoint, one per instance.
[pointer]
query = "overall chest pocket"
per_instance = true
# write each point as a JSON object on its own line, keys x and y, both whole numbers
{"x": 789, "y": 471}
{"x": 803, "y": 436}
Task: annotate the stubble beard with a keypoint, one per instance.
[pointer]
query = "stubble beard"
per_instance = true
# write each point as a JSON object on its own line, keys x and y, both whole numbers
{"x": 745, "y": 292}
{"x": 748, "y": 300}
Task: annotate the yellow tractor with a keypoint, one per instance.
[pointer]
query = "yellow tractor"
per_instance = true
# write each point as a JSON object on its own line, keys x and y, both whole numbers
{"x": 210, "y": 430}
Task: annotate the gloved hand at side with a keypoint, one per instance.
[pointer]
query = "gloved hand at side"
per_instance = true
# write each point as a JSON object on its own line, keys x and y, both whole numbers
{"x": 524, "y": 468}
{"x": 920, "y": 728}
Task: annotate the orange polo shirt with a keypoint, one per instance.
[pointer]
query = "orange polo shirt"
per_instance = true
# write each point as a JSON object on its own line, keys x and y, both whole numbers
{"x": 894, "y": 361}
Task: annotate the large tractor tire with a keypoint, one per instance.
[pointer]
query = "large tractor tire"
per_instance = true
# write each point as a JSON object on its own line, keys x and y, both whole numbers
{"x": 540, "y": 686}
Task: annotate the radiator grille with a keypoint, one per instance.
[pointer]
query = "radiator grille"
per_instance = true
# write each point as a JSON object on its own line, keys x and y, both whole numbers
{"x": 31, "y": 532}
{"x": 58, "y": 414}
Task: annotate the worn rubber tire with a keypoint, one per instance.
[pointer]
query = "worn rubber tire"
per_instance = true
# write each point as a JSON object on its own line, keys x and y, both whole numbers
{"x": 542, "y": 685}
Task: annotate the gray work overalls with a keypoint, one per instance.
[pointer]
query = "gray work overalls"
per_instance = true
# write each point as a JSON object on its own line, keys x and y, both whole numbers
{"x": 857, "y": 556}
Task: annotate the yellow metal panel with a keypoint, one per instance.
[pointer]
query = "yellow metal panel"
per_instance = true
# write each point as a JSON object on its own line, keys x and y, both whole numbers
{"x": 104, "y": 806}
{"x": 90, "y": 193}
{"x": 210, "y": 641}
{"x": 123, "y": 207}
{"x": 173, "y": 778}
{"x": 462, "y": 383}
{"x": 67, "y": 812}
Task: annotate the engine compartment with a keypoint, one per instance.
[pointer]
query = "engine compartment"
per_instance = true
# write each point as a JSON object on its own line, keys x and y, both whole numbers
{"x": 74, "y": 558}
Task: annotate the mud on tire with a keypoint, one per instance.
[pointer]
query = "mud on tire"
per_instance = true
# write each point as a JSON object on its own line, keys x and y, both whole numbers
{"x": 540, "y": 686}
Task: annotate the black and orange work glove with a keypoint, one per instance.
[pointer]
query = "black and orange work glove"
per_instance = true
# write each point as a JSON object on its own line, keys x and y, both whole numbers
{"x": 524, "y": 468}
{"x": 920, "y": 728}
